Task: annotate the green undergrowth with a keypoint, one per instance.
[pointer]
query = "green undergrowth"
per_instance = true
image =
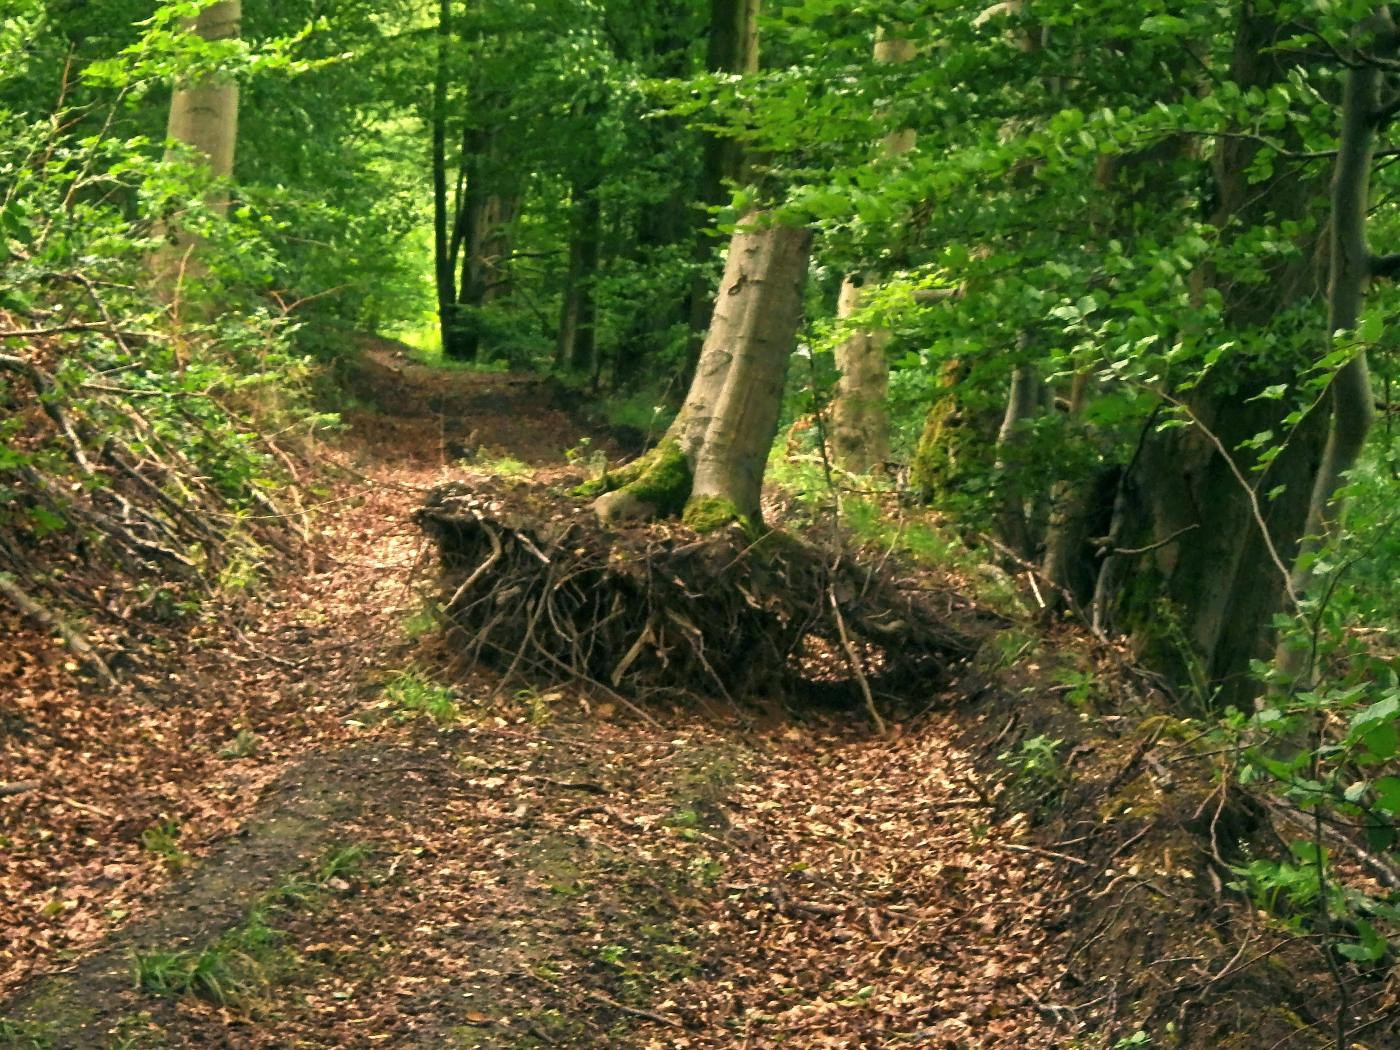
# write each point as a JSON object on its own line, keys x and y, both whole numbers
{"x": 410, "y": 693}
{"x": 502, "y": 466}
{"x": 431, "y": 356}
{"x": 26, "y": 1035}
{"x": 242, "y": 964}
{"x": 644, "y": 414}
{"x": 876, "y": 520}
{"x": 148, "y": 431}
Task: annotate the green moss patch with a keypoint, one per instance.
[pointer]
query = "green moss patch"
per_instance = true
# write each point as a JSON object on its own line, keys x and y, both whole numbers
{"x": 708, "y": 513}
{"x": 660, "y": 480}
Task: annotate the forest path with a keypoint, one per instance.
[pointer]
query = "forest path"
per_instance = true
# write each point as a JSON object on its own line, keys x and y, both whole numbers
{"x": 300, "y": 857}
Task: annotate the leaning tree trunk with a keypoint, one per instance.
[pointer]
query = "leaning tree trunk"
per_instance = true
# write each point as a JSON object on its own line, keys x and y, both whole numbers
{"x": 733, "y": 48}
{"x": 204, "y": 118}
{"x": 1081, "y": 503}
{"x": 860, "y": 421}
{"x": 1203, "y": 530}
{"x": 710, "y": 463}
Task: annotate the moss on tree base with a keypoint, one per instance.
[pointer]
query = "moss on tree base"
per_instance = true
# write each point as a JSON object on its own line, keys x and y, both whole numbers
{"x": 708, "y": 513}
{"x": 655, "y": 486}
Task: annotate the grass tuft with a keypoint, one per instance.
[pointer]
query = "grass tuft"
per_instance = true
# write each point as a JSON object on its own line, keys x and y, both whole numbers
{"x": 248, "y": 959}
{"x": 413, "y": 694}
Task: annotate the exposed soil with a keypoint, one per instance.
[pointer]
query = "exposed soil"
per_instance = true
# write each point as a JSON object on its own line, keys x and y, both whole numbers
{"x": 545, "y": 868}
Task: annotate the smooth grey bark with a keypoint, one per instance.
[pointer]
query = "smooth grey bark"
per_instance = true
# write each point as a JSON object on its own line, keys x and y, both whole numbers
{"x": 1352, "y": 267}
{"x": 204, "y": 117}
{"x": 204, "y": 113}
{"x": 756, "y": 319}
{"x": 1022, "y": 405}
{"x": 732, "y": 48}
{"x": 710, "y": 461}
{"x": 860, "y": 422}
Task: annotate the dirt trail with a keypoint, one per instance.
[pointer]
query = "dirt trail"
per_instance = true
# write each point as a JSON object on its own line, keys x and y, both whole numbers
{"x": 518, "y": 871}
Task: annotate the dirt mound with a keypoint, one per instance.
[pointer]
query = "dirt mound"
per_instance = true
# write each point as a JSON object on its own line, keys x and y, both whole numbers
{"x": 535, "y": 585}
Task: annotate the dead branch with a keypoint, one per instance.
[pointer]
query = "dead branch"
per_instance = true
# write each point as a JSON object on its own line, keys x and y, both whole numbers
{"x": 40, "y": 615}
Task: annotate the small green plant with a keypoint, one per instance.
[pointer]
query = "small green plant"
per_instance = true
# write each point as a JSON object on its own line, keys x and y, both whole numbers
{"x": 421, "y": 622}
{"x": 705, "y": 871}
{"x": 1291, "y": 892}
{"x": 25, "y": 1035}
{"x": 341, "y": 862}
{"x": 413, "y": 694}
{"x": 136, "y": 1032}
{"x": 593, "y": 460}
{"x": 1136, "y": 1041}
{"x": 506, "y": 466}
{"x": 307, "y": 890}
{"x": 1006, "y": 649}
{"x": 861, "y": 997}
{"x": 163, "y": 840}
{"x": 238, "y": 966}
{"x": 242, "y": 572}
{"x": 1036, "y": 778}
{"x": 684, "y": 818}
{"x": 615, "y": 955}
{"x": 538, "y": 706}
{"x": 1285, "y": 889}
{"x": 244, "y": 745}
{"x": 708, "y": 775}
{"x": 1080, "y": 687}
{"x": 244, "y": 961}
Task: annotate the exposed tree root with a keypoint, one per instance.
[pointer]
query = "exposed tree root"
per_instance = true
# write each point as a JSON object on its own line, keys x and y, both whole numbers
{"x": 662, "y": 608}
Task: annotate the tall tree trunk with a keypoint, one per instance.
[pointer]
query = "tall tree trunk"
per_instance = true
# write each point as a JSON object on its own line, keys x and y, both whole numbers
{"x": 1351, "y": 268}
{"x": 1015, "y": 520}
{"x": 1198, "y": 592}
{"x": 1017, "y": 517}
{"x": 1071, "y": 510}
{"x": 489, "y": 211}
{"x": 449, "y": 325}
{"x": 755, "y": 325}
{"x": 577, "y": 347}
{"x": 860, "y": 422}
{"x": 733, "y": 48}
{"x": 1081, "y": 505}
{"x": 204, "y": 117}
{"x": 710, "y": 463}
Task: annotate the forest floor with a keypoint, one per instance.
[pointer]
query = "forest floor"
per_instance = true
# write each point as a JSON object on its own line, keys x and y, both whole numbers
{"x": 291, "y": 835}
